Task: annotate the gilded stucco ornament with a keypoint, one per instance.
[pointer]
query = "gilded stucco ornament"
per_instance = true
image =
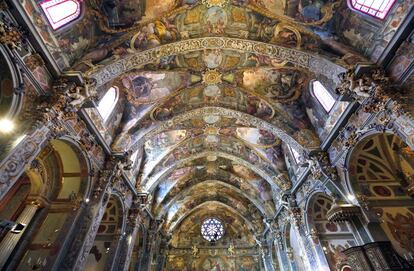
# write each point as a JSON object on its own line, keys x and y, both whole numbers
{"x": 231, "y": 250}
{"x": 371, "y": 89}
{"x": 320, "y": 165}
{"x": 214, "y": 3}
{"x": 290, "y": 254}
{"x": 212, "y": 77}
{"x": 10, "y": 35}
{"x": 349, "y": 136}
{"x": 107, "y": 175}
{"x": 67, "y": 98}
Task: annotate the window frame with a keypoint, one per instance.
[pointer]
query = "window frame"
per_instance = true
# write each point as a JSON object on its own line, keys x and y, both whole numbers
{"x": 112, "y": 107}
{"x": 391, "y": 4}
{"x": 318, "y": 99}
{"x": 67, "y": 24}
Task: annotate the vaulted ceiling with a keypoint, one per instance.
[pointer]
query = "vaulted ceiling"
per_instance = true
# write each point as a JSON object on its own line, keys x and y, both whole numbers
{"x": 213, "y": 94}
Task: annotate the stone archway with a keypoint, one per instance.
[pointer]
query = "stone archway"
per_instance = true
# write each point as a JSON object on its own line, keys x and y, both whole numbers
{"x": 45, "y": 199}
{"x": 380, "y": 172}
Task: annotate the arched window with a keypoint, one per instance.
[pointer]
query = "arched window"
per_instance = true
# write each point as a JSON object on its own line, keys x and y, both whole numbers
{"x": 61, "y": 12}
{"x": 376, "y": 8}
{"x": 323, "y": 95}
{"x": 107, "y": 103}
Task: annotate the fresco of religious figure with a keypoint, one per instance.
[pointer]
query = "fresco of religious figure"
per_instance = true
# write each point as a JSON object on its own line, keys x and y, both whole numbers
{"x": 215, "y": 20}
{"x": 213, "y": 264}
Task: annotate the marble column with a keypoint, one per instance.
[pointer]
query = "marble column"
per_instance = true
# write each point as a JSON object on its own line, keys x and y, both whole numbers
{"x": 11, "y": 240}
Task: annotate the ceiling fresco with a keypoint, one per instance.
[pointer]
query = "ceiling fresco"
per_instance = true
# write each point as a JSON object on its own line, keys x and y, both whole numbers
{"x": 215, "y": 191}
{"x": 163, "y": 23}
{"x": 250, "y": 186}
{"x": 213, "y": 95}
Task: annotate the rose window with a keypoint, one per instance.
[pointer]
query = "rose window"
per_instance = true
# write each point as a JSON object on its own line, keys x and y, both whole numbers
{"x": 212, "y": 229}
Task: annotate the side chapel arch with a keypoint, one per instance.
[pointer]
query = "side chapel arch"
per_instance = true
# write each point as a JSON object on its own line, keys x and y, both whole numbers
{"x": 380, "y": 170}
{"x": 47, "y": 198}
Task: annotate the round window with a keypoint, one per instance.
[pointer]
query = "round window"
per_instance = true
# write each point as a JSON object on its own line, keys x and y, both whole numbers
{"x": 212, "y": 229}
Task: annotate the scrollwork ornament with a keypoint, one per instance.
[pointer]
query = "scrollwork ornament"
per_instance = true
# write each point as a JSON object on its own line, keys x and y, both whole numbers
{"x": 290, "y": 255}
{"x": 58, "y": 131}
{"x": 279, "y": 239}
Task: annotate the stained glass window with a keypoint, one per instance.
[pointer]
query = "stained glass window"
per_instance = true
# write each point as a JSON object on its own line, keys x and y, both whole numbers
{"x": 323, "y": 95}
{"x": 61, "y": 12}
{"x": 107, "y": 103}
{"x": 376, "y": 8}
{"x": 212, "y": 229}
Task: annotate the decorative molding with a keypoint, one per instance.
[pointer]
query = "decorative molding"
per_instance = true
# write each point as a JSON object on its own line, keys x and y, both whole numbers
{"x": 13, "y": 166}
{"x": 315, "y": 63}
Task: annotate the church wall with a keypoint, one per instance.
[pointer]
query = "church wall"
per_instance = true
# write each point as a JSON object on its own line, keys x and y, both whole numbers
{"x": 66, "y": 44}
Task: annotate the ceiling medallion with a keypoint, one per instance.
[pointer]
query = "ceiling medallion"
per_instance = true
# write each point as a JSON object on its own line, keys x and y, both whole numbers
{"x": 212, "y": 77}
{"x": 214, "y": 3}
